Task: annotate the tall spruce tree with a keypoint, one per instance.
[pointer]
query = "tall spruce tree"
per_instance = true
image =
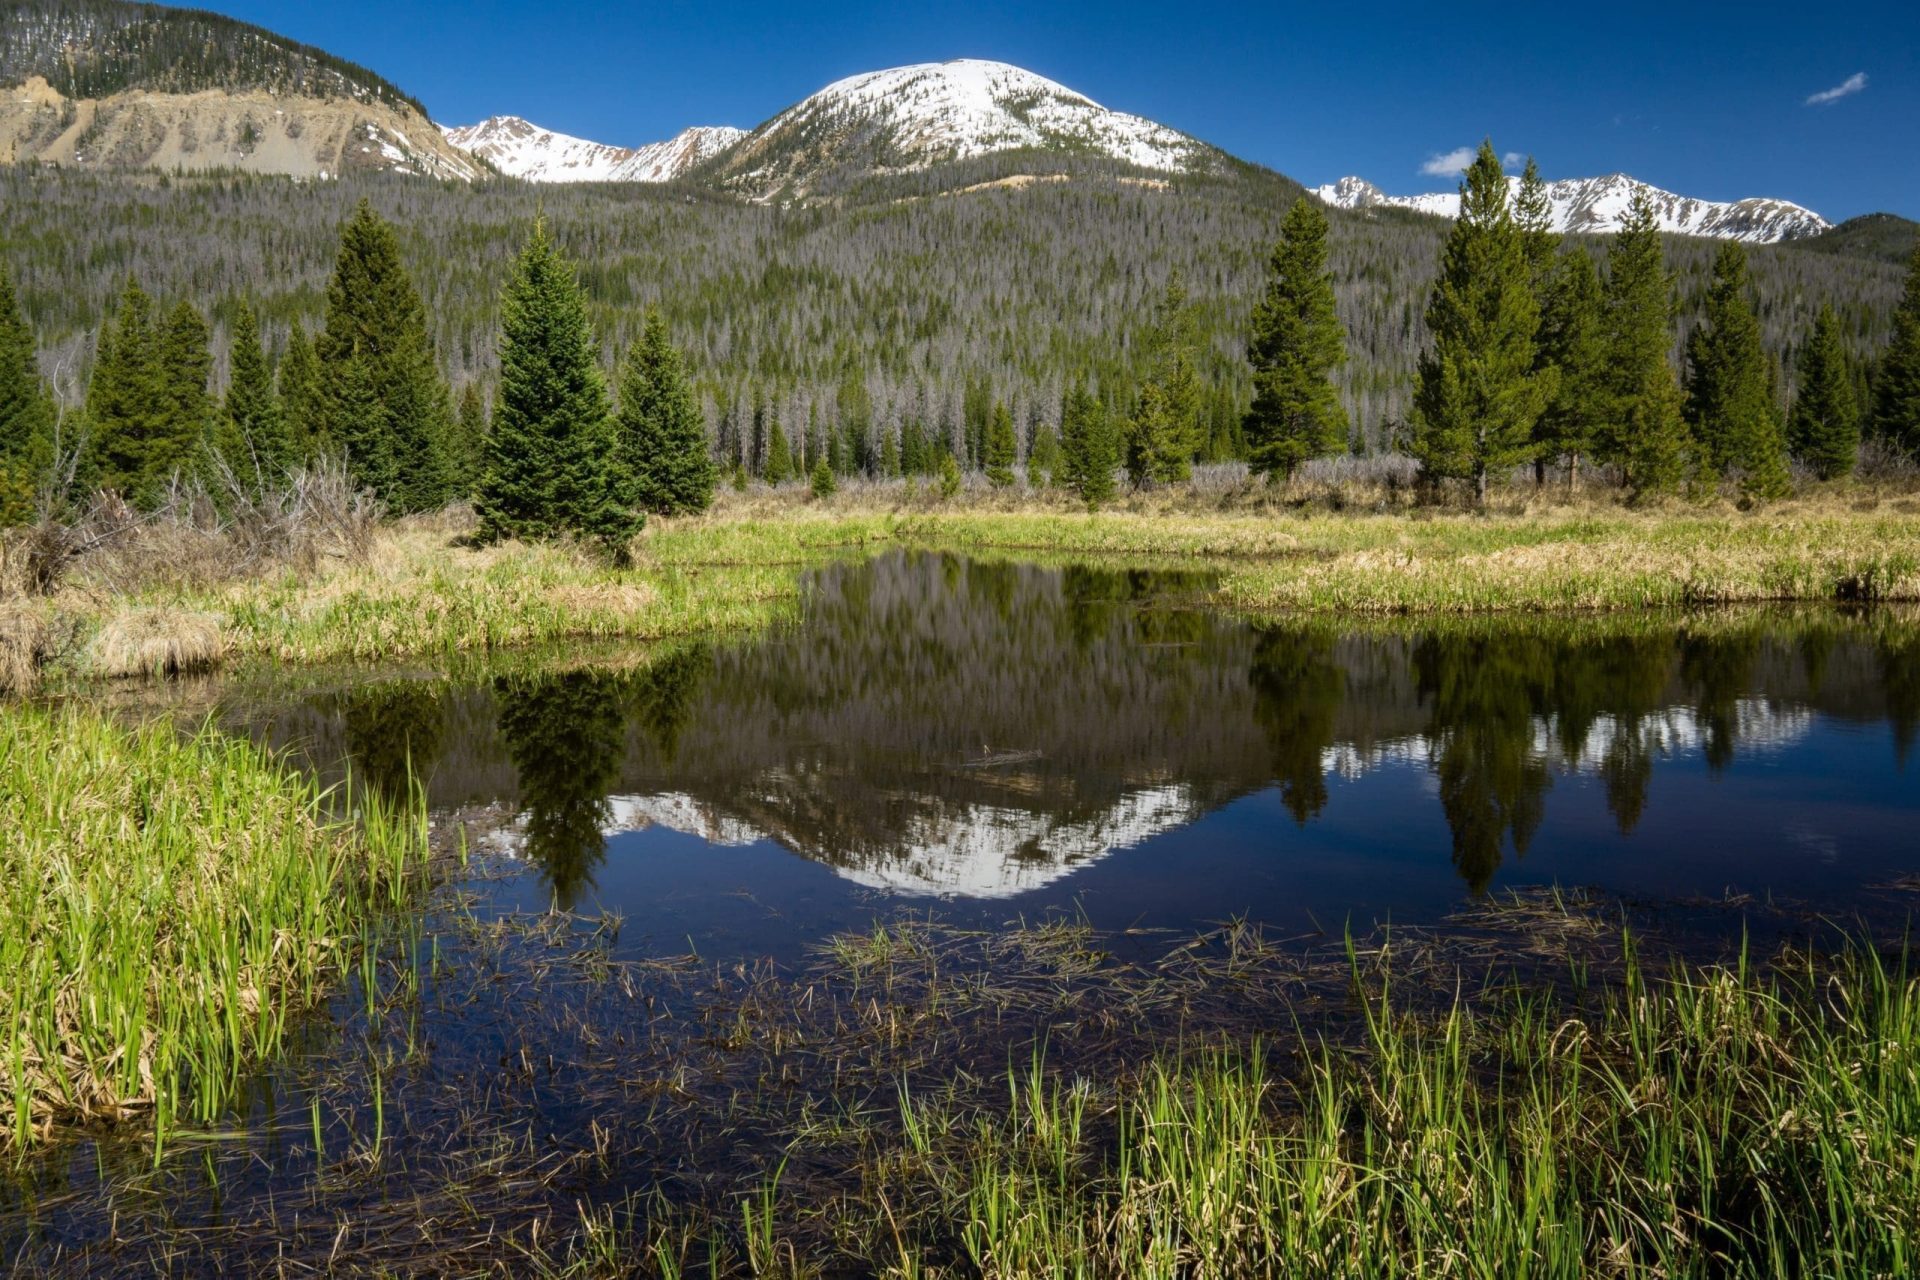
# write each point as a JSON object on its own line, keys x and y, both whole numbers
{"x": 778, "y": 467}
{"x": 855, "y": 425}
{"x": 1644, "y": 434}
{"x": 1479, "y": 392}
{"x": 1088, "y": 450}
{"x": 467, "y": 446}
{"x": 253, "y": 439}
{"x": 1001, "y": 447}
{"x": 1533, "y": 218}
{"x": 1166, "y": 431}
{"x": 553, "y": 464}
{"x": 1296, "y": 347}
{"x": 299, "y": 377}
{"x": 1825, "y": 426}
{"x": 184, "y": 351}
{"x": 1896, "y": 381}
{"x": 1043, "y": 456}
{"x": 125, "y": 448}
{"x": 1573, "y": 340}
{"x": 375, "y": 321}
{"x": 1730, "y": 404}
{"x": 27, "y": 412}
{"x": 663, "y": 440}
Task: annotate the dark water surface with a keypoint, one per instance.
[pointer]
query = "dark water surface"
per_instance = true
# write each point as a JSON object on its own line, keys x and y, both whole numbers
{"x": 994, "y": 741}
{"x": 978, "y": 744}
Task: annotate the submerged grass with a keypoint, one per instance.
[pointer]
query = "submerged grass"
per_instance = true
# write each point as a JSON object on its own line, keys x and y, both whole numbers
{"x": 1719, "y": 1121}
{"x": 166, "y": 906}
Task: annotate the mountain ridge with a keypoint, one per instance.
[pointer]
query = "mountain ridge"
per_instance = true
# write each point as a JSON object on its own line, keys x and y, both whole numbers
{"x": 522, "y": 149}
{"x": 1596, "y": 206}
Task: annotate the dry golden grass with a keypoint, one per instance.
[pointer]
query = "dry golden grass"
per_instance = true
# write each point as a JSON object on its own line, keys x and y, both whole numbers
{"x": 23, "y": 646}
{"x": 156, "y": 642}
{"x": 419, "y": 586}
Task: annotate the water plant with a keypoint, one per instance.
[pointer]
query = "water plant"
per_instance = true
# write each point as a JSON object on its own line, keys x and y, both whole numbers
{"x": 167, "y": 905}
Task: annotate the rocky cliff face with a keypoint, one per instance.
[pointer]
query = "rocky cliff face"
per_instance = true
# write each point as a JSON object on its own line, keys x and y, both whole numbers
{"x": 252, "y": 131}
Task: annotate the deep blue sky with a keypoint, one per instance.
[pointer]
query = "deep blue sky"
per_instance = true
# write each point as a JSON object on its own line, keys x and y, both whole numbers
{"x": 1706, "y": 100}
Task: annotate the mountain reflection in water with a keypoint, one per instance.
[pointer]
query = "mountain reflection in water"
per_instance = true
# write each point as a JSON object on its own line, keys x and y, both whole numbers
{"x": 939, "y": 726}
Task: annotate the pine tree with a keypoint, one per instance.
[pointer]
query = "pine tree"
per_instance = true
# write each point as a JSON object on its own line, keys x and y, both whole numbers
{"x": 467, "y": 447}
{"x": 552, "y": 462}
{"x": 1533, "y": 218}
{"x": 184, "y": 351}
{"x": 1480, "y": 393}
{"x": 1573, "y": 340}
{"x": 1730, "y": 404}
{"x": 375, "y": 320}
{"x": 1825, "y": 426}
{"x": 1658, "y": 446}
{"x": 253, "y": 439}
{"x": 1297, "y": 344}
{"x": 1087, "y": 448}
{"x": 1001, "y": 448}
{"x": 1640, "y": 382}
{"x": 663, "y": 440}
{"x": 778, "y": 468}
{"x": 299, "y": 376}
{"x": 822, "y": 480}
{"x": 1896, "y": 381}
{"x": 27, "y": 413}
{"x": 856, "y": 422}
{"x": 1043, "y": 456}
{"x": 125, "y": 450}
{"x": 1165, "y": 431}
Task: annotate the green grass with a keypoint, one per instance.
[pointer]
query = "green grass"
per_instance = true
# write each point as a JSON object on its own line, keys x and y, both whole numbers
{"x": 1710, "y": 1123}
{"x": 167, "y": 905}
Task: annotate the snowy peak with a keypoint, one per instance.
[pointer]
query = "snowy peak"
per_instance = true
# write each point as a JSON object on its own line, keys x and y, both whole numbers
{"x": 911, "y": 118}
{"x": 1596, "y": 206}
{"x": 521, "y": 149}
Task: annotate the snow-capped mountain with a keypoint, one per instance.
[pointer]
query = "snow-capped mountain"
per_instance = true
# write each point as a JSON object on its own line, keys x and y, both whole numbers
{"x": 521, "y": 149}
{"x": 1599, "y": 205}
{"x": 911, "y": 118}
{"x": 960, "y": 851}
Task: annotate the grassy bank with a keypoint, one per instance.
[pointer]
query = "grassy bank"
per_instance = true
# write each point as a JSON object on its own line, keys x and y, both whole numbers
{"x": 417, "y": 587}
{"x": 1431, "y": 562}
{"x": 166, "y": 906}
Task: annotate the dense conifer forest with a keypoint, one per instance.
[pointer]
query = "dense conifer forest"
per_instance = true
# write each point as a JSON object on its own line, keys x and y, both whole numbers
{"x": 922, "y": 300}
{"x": 93, "y": 48}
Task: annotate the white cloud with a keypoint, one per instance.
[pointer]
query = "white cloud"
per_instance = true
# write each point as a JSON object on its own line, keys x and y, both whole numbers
{"x": 1449, "y": 164}
{"x": 1514, "y": 160}
{"x": 1845, "y": 89}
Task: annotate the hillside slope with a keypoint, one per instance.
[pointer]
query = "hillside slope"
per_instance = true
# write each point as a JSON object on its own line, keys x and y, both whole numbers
{"x": 104, "y": 84}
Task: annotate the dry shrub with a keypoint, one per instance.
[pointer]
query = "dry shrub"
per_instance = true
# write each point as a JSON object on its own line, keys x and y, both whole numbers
{"x": 202, "y": 535}
{"x": 157, "y": 642}
{"x": 24, "y": 643}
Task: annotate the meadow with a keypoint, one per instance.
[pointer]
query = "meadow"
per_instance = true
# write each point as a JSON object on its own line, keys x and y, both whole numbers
{"x": 177, "y": 597}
